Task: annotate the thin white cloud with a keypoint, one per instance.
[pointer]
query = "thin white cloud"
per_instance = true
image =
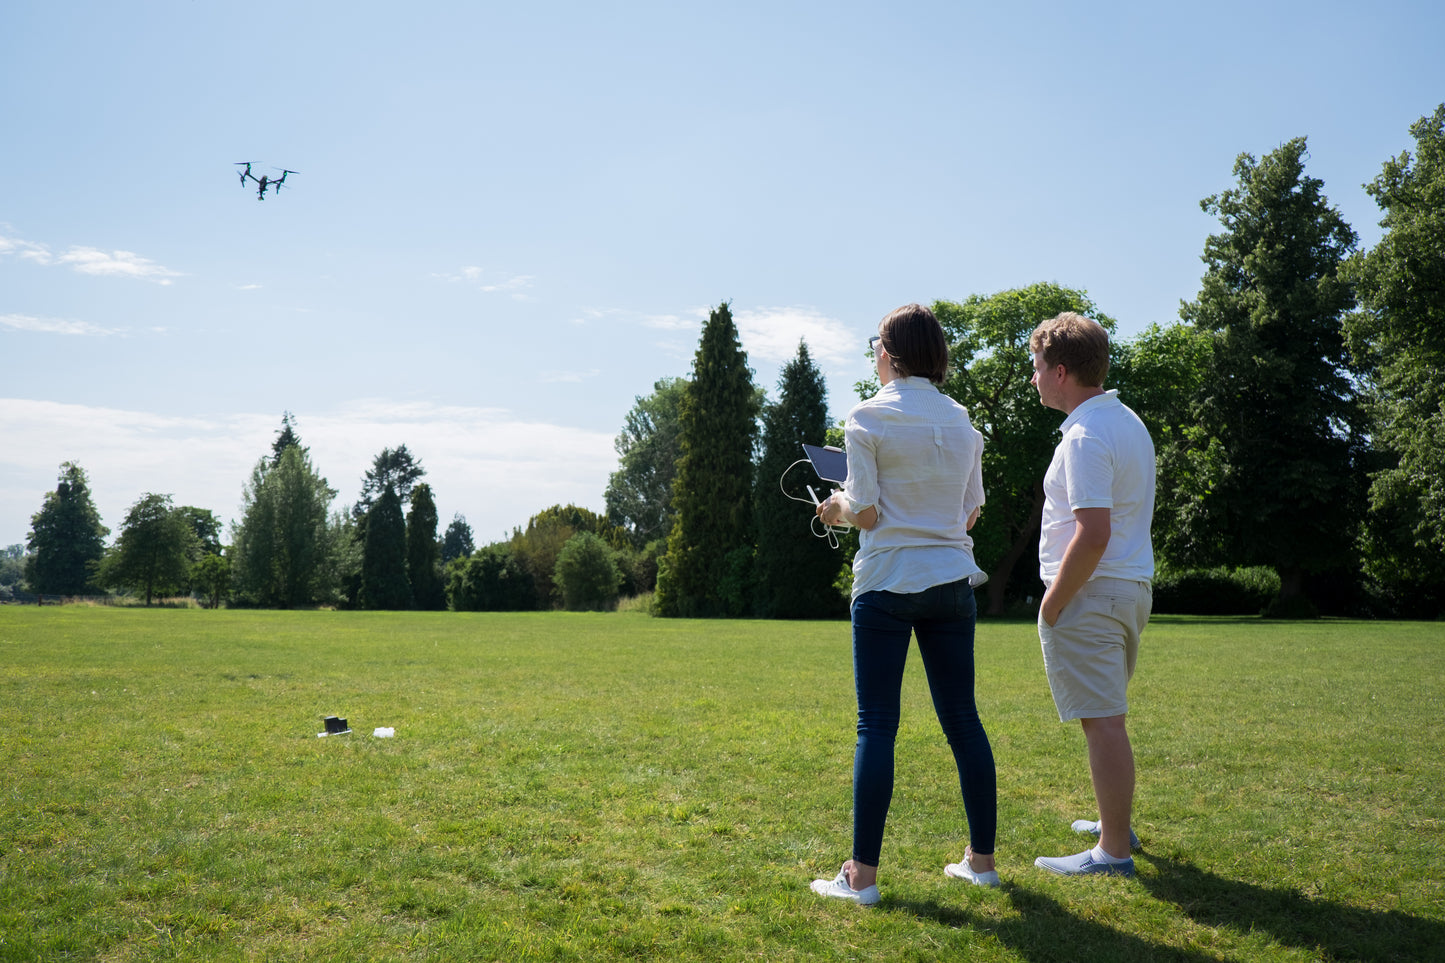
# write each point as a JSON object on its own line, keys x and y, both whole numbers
{"x": 772, "y": 335}
{"x": 90, "y": 260}
{"x": 489, "y": 464}
{"x": 25, "y": 322}
{"x": 689, "y": 321}
{"x": 27, "y": 250}
{"x": 515, "y": 285}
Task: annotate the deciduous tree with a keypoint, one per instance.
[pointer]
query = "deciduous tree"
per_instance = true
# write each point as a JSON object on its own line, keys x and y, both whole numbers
{"x": 639, "y": 493}
{"x": 586, "y": 574}
{"x": 153, "y": 554}
{"x": 212, "y": 578}
{"x": 990, "y": 375}
{"x": 1398, "y": 335}
{"x": 491, "y": 579}
{"x": 537, "y": 546}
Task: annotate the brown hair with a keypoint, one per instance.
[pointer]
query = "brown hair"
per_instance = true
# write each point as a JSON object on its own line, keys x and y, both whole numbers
{"x": 915, "y": 343}
{"x": 1078, "y": 343}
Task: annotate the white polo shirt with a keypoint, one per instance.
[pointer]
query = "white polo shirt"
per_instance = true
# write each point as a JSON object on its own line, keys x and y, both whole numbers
{"x": 1105, "y": 460}
{"x": 914, "y": 455}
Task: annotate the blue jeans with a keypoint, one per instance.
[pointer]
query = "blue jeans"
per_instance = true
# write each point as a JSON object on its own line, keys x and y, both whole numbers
{"x": 943, "y": 619}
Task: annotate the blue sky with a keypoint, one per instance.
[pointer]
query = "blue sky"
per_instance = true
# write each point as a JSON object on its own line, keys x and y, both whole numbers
{"x": 511, "y": 219}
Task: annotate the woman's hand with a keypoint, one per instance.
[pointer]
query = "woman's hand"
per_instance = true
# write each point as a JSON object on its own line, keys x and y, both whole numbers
{"x": 833, "y": 510}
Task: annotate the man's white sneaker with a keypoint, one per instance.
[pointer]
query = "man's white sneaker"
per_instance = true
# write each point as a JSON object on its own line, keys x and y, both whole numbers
{"x": 839, "y": 889}
{"x": 962, "y": 870}
{"x": 1092, "y": 827}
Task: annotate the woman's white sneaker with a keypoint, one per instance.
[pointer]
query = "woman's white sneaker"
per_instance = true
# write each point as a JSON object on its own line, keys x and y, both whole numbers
{"x": 964, "y": 871}
{"x": 839, "y": 889}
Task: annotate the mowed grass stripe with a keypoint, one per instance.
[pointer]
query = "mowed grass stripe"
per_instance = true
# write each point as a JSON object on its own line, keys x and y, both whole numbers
{"x": 591, "y": 786}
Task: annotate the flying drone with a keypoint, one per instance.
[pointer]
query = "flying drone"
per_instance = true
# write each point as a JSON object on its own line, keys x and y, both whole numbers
{"x": 264, "y": 181}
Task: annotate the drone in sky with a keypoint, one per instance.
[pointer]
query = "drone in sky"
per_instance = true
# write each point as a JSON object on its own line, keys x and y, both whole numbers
{"x": 263, "y": 182}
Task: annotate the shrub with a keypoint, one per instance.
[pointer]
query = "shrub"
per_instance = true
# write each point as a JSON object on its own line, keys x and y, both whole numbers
{"x": 492, "y": 579}
{"x": 1215, "y": 591}
{"x": 587, "y": 574}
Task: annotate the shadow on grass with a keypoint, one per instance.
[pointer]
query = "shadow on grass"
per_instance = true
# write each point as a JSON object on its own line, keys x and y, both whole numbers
{"x": 1046, "y": 930}
{"x": 1336, "y": 930}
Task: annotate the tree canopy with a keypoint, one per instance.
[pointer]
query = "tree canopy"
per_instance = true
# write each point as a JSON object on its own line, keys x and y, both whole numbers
{"x": 281, "y": 546}
{"x": 795, "y": 571}
{"x": 66, "y": 540}
{"x": 384, "y": 583}
{"x": 586, "y": 574}
{"x": 1398, "y": 337}
{"x": 394, "y": 467}
{"x": 155, "y": 550}
{"x": 639, "y": 492}
{"x": 705, "y": 572}
{"x": 457, "y": 542}
{"x": 1279, "y": 456}
{"x": 990, "y": 371}
{"x": 423, "y": 561}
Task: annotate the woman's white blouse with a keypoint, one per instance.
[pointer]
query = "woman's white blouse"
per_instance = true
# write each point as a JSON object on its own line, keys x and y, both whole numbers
{"x": 914, "y": 456}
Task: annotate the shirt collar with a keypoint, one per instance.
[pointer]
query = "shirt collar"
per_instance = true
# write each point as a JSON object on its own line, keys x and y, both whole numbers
{"x": 1108, "y": 398}
{"x": 912, "y": 382}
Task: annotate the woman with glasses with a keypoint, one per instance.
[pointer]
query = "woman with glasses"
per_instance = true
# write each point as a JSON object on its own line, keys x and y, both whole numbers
{"x": 914, "y": 489}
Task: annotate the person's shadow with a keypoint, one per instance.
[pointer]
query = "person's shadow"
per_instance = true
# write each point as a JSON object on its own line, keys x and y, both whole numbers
{"x": 1333, "y": 930}
{"x": 1046, "y": 930}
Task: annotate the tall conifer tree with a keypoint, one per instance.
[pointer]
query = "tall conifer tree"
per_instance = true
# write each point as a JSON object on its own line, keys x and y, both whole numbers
{"x": 383, "y": 567}
{"x": 66, "y": 539}
{"x": 1281, "y": 439}
{"x": 709, "y": 549}
{"x": 428, "y": 591}
{"x": 795, "y": 570}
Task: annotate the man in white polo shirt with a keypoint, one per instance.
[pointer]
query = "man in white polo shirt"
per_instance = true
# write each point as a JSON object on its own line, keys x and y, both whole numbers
{"x": 1097, "y": 562}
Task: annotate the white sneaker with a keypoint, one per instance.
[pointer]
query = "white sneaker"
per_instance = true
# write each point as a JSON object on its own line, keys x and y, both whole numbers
{"x": 1091, "y": 826}
{"x": 839, "y": 889}
{"x": 962, "y": 870}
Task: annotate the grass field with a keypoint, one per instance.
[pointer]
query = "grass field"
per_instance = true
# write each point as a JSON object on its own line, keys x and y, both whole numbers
{"x": 602, "y": 787}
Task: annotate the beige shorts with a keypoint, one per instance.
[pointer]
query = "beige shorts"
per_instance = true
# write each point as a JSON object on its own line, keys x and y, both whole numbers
{"x": 1089, "y": 655}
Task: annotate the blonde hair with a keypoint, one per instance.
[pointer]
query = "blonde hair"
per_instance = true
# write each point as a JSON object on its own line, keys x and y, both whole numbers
{"x": 1078, "y": 343}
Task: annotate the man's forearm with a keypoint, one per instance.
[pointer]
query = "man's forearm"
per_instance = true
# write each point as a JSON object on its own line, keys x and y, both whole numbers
{"x": 1081, "y": 557}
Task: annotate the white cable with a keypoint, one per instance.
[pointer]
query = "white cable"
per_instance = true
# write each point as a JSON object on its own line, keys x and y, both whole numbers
{"x": 828, "y": 532}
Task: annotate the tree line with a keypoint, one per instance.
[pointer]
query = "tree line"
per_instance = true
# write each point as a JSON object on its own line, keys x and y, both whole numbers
{"x": 1297, "y": 407}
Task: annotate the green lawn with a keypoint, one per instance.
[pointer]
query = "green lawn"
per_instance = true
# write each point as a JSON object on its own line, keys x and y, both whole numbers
{"x": 598, "y": 787}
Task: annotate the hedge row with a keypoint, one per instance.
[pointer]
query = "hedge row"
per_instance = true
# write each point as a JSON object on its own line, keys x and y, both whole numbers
{"x": 1215, "y": 591}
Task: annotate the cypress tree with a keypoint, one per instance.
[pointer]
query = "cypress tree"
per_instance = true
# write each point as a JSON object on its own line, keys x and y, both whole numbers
{"x": 795, "y": 570}
{"x": 383, "y": 566}
{"x": 423, "y": 569}
{"x": 709, "y": 550}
